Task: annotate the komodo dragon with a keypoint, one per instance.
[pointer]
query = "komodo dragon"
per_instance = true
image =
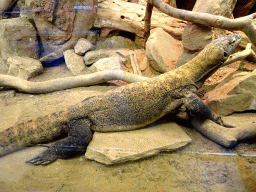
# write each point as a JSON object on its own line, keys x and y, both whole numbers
{"x": 124, "y": 108}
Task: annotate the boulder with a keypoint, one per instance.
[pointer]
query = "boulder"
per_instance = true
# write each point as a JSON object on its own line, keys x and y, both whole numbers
{"x": 82, "y": 46}
{"x": 74, "y": 62}
{"x": 119, "y": 147}
{"x": 92, "y": 56}
{"x": 24, "y": 67}
{"x": 18, "y": 37}
{"x": 163, "y": 50}
{"x": 123, "y": 55}
{"x": 117, "y": 42}
{"x": 236, "y": 93}
{"x": 111, "y": 63}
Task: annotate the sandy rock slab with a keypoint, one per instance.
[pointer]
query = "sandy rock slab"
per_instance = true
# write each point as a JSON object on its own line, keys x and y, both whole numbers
{"x": 119, "y": 147}
{"x": 163, "y": 50}
{"x": 236, "y": 93}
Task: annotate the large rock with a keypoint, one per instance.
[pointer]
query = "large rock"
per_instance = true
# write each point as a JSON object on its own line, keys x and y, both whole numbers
{"x": 24, "y": 67}
{"x": 111, "y": 63}
{"x": 92, "y": 56}
{"x": 82, "y": 46}
{"x": 123, "y": 55}
{"x": 117, "y": 42}
{"x": 163, "y": 49}
{"x": 118, "y": 147}
{"x": 115, "y": 46}
{"x": 74, "y": 62}
{"x": 18, "y": 37}
{"x": 236, "y": 93}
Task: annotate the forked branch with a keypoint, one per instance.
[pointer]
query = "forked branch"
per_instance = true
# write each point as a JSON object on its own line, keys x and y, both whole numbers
{"x": 239, "y": 56}
{"x": 244, "y": 24}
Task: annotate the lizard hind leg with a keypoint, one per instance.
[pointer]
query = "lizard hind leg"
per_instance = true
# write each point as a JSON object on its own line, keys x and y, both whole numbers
{"x": 79, "y": 136}
{"x": 198, "y": 109}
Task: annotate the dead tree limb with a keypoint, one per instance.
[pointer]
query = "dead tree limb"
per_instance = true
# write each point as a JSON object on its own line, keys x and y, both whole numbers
{"x": 244, "y": 24}
{"x": 227, "y": 137}
{"x": 148, "y": 14}
{"x": 247, "y": 53}
{"x": 22, "y": 85}
{"x": 67, "y": 82}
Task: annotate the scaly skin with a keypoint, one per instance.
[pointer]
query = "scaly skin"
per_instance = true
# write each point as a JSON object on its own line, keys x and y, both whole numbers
{"x": 125, "y": 108}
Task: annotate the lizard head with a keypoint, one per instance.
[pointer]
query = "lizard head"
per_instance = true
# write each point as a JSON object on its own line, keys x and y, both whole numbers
{"x": 210, "y": 58}
{"x": 228, "y": 43}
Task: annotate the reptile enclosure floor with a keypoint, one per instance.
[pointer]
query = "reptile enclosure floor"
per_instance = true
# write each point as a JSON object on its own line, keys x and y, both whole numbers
{"x": 199, "y": 166}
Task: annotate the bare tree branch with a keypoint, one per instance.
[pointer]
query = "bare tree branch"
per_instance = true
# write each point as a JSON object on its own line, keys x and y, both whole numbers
{"x": 148, "y": 14}
{"x": 239, "y": 56}
{"x": 22, "y": 85}
{"x": 68, "y": 82}
{"x": 227, "y": 137}
{"x": 244, "y": 24}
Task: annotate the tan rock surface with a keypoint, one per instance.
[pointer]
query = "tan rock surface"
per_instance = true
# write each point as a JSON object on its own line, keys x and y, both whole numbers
{"x": 74, "y": 62}
{"x": 111, "y": 63}
{"x": 163, "y": 49}
{"x": 24, "y": 67}
{"x": 118, "y": 147}
{"x": 236, "y": 93}
{"x": 18, "y": 37}
{"x": 82, "y": 46}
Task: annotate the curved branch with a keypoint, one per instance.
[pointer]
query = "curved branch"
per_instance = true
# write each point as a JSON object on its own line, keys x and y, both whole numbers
{"x": 68, "y": 82}
{"x": 244, "y": 24}
{"x": 248, "y": 52}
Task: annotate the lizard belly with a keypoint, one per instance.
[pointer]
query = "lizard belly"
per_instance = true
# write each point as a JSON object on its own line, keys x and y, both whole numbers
{"x": 124, "y": 112}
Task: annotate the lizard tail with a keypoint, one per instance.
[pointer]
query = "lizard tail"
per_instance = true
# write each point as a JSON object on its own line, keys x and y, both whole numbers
{"x": 41, "y": 129}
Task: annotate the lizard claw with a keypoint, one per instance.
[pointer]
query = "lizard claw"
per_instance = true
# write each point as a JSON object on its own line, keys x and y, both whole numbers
{"x": 42, "y": 159}
{"x": 219, "y": 121}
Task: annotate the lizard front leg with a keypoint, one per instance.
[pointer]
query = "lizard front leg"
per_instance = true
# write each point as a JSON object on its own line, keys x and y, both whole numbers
{"x": 79, "y": 136}
{"x": 198, "y": 109}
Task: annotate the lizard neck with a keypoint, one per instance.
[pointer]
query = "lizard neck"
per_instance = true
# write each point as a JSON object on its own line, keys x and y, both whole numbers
{"x": 203, "y": 64}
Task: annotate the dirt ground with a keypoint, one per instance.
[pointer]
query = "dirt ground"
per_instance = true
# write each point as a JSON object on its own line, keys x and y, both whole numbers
{"x": 201, "y": 166}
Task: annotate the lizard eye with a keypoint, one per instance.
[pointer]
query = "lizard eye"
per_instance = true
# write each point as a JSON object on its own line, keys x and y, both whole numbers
{"x": 232, "y": 41}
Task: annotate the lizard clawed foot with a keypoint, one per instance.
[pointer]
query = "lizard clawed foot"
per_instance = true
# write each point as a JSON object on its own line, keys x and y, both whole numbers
{"x": 201, "y": 93}
{"x": 44, "y": 158}
{"x": 219, "y": 121}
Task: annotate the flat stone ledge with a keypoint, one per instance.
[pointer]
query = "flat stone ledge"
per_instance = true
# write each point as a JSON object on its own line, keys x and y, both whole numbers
{"x": 119, "y": 147}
